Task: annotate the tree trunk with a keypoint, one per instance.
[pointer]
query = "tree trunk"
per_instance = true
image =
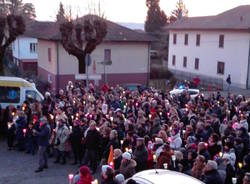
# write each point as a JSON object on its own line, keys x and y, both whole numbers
{"x": 1, "y": 65}
{"x": 81, "y": 64}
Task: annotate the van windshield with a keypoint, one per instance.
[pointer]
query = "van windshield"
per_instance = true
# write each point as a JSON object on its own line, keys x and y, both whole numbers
{"x": 9, "y": 94}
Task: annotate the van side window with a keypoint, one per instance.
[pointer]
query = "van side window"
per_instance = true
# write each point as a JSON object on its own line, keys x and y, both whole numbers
{"x": 9, "y": 94}
{"x": 30, "y": 96}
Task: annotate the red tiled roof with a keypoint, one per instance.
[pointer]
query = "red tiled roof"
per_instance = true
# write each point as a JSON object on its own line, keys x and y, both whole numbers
{"x": 235, "y": 19}
{"x": 50, "y": 31}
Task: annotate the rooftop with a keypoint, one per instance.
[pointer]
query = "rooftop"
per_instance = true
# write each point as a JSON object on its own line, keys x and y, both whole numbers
{"x": 235, "y": 19}
{"x": 115, "y": 32}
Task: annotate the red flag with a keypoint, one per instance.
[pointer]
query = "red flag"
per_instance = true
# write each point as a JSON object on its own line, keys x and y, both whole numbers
{"x": 111, "y": 158}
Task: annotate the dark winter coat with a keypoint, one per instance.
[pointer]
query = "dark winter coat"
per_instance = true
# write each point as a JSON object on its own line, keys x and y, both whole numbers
{"x": 141, "y": 157}
{"x": 43, "y": 135}
{"x": 212, "y": 177}
{"x": 92, "y": 140}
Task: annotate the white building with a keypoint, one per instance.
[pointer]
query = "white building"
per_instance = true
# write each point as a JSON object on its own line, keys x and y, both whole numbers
{"x": 212, "y": 47}
{"x": 24, "y": 51}
{"x": 127, "y": 49}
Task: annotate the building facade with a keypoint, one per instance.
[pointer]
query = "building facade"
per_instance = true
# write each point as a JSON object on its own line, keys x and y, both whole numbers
{"x": 24, "y": 51}
{"x": 130, "y": 62}
{"x": 212, "y": 48}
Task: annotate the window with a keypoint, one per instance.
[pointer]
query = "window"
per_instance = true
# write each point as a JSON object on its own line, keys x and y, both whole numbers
{"x": 33, "y": 47}
{"x": 173, "y": 60}
{"x": 196, "y": 64}
{"x": 221, "y": 41}
{"x": 198, "y": 39}
{"x": 107, "y": 55}
{"x": 49, "y": 54}
{"x": 185, "y": 62}
{"x": 186, "y": 39}
{"x": 220, "y": 67}
{"x": 31, "y": 96}
{"x": 175, "y": 39}
{"x": 9, "y": 94}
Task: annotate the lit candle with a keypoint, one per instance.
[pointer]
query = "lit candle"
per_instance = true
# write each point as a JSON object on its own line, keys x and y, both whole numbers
{"x": 94, "y": 182}
{"x": 111, "y": 164}
{"x": 77, "y": 114}
{"x": 13, "y": 113}
{"x": 9, "y": 125}
{"x": 165, "y": 165}
{"x": 130, "y": 151}
{"x": 220, "y": 154}
{"x": 183, "y": 131}
{"x": 240, "y": 165}
{"x": 71, "y": 176}
{"x": 234, "y": 180}
{"x": 72, "y": 117}
{"x": 150, "y": 116}
{"x": 51, "y": 116}
{"x": 173, "y": 158}
{"x": 111, "y": 118}
{"x": 160, "y": 113}
{"x": 97, "y": 128}
{"x": 126, "y": 149}
{"x": 154, "y": 158}
{"x": 121, "y": 142}
{"x": 70, "y": 128}
{"x": 23, "y": 108}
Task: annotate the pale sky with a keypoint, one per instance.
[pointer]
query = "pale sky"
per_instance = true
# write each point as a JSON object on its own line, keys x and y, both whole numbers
{"x": 132, "y": 10}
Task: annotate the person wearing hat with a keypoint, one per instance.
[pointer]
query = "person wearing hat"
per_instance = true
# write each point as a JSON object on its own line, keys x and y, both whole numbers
{"x": 43, "y": 143}
{"x": 62, "y": 135}
{"x": 84, "y": 176}
{"x": 119, "y": 178}
{"x": 128, "y": 165}
{"x": 107, "y": 175}
{"x": 140, "y": 155}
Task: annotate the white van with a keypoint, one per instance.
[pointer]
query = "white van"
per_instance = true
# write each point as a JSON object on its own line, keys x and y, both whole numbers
{"x": 14, "y": 91}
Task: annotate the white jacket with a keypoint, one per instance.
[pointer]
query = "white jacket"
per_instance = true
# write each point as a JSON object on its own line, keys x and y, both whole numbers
{"x": 176, "y": 142}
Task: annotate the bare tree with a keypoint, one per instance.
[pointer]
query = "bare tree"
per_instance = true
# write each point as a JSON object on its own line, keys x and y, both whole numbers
{"x": 11, "y": 26}
{"x": 80, "y": 38}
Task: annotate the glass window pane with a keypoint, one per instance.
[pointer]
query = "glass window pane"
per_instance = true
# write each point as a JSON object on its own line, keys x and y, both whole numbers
{"x": 9, "y": 94}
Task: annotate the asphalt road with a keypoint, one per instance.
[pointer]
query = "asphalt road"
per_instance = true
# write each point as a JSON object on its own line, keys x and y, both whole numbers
{"x": 18, "y": 168}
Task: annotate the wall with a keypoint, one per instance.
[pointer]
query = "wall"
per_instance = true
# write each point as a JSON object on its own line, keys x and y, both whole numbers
{"x": 21, "y": 48}
{"x": 234, "y": 54}
{"x": 126, "y": 58}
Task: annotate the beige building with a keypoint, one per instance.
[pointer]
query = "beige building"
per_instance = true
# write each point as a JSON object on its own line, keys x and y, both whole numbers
{"x": 127, "y": 49}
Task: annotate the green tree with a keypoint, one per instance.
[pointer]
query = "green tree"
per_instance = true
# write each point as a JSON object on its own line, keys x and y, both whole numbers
{"x": 11, "y": 26}
{"x": 16, "y": 7}
{"x": 179, "y": 12}
{"x": 156, "y": 18}
{"x": 29, "y": 11}
{"x": 61, "y": 17}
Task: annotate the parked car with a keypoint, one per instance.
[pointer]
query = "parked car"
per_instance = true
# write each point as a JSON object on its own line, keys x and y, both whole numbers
{"x": 135, "y": 86}
{"x": 14, "y": 91}
{"x": 161, "y": 176}
{"x": 192, "y": 92}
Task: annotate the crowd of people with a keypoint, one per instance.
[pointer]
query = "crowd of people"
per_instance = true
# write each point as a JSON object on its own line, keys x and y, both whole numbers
{"x": 204, "y": 137}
